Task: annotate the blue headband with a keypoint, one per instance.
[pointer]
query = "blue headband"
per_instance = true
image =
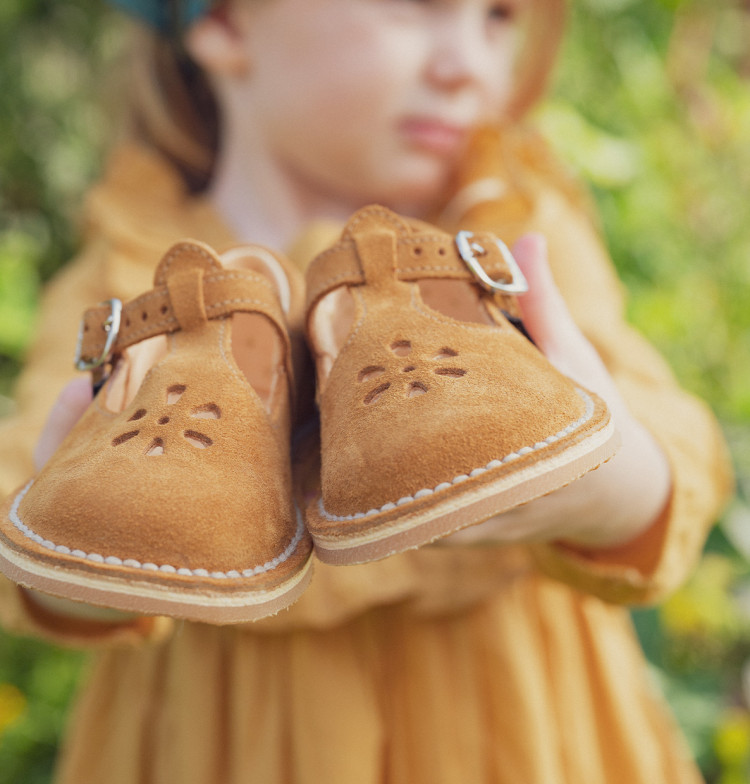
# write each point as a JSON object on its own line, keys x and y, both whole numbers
{"x": 164, "y": 16}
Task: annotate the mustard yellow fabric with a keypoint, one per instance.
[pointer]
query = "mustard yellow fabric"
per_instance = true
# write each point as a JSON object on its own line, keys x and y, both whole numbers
{"x": 511, "y": 665}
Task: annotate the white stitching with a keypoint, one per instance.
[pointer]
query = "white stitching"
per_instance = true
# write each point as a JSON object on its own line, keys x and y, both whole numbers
{"x": 145, "y": 330}
{"x": 588, "y": 413}
{"x": 248, "y": 275}
{"x": 240, "y": 301}
{"x": 232, "y": 574}
{"x": 383, "y": 213}
{"x": 143, "y": 298}
{"x": 357, "y": 326}
{"x": 419, "y": 239}
{"x": 239, "y": 375}
{"x": 181, "y": 247}
{"x": 328, "y": 283}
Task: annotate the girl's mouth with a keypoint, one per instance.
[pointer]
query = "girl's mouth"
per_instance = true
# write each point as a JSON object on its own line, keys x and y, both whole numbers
{"x": 434, "y": 135}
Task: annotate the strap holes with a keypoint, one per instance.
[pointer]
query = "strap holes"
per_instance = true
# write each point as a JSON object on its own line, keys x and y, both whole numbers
{"x": 416, "y": 388}
{"x": 139, "y": 414}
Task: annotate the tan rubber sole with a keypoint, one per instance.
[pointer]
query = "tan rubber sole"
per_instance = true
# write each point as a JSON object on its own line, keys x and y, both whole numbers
{"x": 210, "y": 600}
{"x": 153, "y": 599}
{"x": 471, "y": 503}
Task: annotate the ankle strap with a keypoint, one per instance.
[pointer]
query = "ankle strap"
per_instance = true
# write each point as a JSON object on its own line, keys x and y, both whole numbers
{"x": 417, "y": 256}
{"x": 111, "y": 327}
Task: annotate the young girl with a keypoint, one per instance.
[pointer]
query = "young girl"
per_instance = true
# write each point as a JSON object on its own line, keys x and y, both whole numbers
{"x": 505, "y": 653}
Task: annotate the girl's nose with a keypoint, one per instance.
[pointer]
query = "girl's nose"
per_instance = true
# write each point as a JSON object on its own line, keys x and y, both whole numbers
{"x": 459, "y": 53}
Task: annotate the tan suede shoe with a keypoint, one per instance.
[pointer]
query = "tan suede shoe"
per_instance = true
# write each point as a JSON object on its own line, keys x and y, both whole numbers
{"x": 436, "y": 412}
{"x": 172, "y": 495}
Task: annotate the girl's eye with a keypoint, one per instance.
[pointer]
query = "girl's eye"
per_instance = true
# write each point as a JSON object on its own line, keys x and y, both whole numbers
{"x": 502, "y": 12}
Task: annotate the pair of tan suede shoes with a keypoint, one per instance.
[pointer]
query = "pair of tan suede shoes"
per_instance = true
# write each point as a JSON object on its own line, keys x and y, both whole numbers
{"x": 175, "y": 492}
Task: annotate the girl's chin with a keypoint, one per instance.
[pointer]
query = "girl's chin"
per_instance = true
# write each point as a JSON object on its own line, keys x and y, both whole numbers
{"x": 406, "y": 186}
{"x": 418, "y": 191}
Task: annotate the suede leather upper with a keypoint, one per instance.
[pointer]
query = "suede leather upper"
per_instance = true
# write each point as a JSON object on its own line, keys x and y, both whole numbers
{"x": 416, "y": 399}
{"x": 191, "y": 480}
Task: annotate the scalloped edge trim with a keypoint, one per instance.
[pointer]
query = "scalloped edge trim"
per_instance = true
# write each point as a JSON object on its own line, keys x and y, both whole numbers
{"x": 509, "y": 458}
{"x": 132, "y": 563}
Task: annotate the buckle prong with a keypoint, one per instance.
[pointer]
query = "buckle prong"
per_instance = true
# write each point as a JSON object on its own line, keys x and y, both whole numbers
{"x": 111, "y": 327}
{"x": 469, "y": 251}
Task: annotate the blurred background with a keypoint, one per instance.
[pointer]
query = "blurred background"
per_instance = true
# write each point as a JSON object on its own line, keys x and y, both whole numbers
{"x": 651, "y": 108}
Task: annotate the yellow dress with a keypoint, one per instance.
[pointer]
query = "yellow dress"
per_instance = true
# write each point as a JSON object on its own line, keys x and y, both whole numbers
{"x": 449, "y": 664}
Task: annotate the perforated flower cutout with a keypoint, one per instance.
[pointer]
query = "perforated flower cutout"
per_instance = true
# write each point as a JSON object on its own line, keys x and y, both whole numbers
{"x": 408, "y": 371}
{"x": 171, "y": 425}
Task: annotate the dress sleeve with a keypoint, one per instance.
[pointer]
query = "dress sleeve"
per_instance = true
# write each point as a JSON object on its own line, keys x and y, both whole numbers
{"x": 49, "y": 367}
{"x": 656, "y": 562}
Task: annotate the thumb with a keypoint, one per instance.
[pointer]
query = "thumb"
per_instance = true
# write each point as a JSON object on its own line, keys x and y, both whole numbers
{"x": 543, "y": 308}
{"x": 548, "y": 320}
{"x": 67, "y": 410}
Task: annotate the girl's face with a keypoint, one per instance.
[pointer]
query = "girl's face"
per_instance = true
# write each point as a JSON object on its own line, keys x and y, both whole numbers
{"x": 370, "y": 100}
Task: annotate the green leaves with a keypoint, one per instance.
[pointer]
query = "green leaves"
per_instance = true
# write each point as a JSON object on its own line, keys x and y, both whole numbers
{"x": 53, "y": 123}
{"x": 18, "y": 289}
{"x": 653, "y": 110}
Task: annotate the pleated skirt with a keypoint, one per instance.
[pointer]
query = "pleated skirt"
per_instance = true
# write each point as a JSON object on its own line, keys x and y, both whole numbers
{"x": 537, "y": 685}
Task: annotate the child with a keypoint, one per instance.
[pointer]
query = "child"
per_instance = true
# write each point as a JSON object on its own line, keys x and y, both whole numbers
{"x": 512, "y": 661}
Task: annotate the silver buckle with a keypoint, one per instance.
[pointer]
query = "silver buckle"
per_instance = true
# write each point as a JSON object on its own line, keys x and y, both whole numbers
{"x": 111, "y": 327}
{"x": 468, "y": 251}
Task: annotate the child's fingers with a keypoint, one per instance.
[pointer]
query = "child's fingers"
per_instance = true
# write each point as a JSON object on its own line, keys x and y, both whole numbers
{"x": 549, "y": 322}
{"x": 545, "y": 313}
{"x": 67, "y": 410}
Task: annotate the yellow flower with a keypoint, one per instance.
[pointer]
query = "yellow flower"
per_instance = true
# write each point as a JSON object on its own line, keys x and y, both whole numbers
{"x": 704, "y": 606}
{"x": 732, "y": 739}
{"x": 12, "y": 705}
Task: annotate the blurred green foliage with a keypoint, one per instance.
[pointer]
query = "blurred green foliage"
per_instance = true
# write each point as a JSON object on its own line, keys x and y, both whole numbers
{"x": 37, "y": 682}
{"x": 657, "y": 118}
{"x": 651, "y": 107}
{"x": 52, "y": 128}
{"x": 653, "y": 110}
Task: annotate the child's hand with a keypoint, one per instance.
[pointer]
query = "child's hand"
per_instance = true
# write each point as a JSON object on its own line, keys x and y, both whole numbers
{"x": 620, "y": 499}
{"x": 67, "y": 410}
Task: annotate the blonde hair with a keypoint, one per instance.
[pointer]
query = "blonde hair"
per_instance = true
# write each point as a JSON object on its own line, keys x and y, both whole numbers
{"x": 173, "y": 109}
